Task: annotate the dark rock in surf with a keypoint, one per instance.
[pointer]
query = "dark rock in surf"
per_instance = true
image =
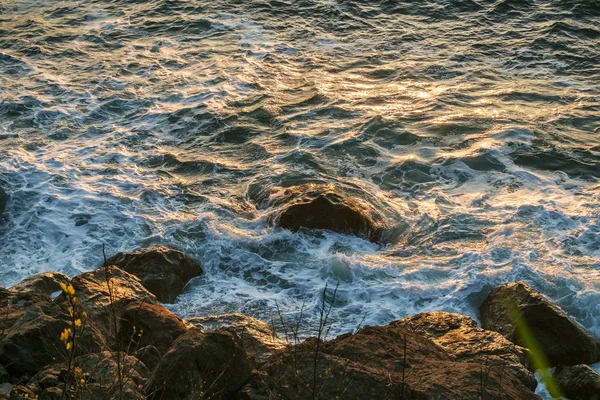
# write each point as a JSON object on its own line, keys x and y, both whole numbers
{"x": 47, "y": 283}
{"x": 561, "y": 339}
{"x": 326, "y": 209}
{"x": 257, "y": 337}
{"x": 200, "y": 365}
{"x": 3, "y": 200}
{"x": 378, "y": 363}
{"x": 460, "y": 336}
{"x": 578, "y": 382}
{"x": 143, "y": 324}
{"x": 164, "y": 272}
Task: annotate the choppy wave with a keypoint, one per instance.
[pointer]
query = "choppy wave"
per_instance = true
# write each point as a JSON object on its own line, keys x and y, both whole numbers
{"x": 475, "y": 123}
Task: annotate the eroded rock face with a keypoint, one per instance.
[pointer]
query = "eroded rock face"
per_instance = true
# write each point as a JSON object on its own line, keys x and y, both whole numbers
{"x": 578, "y": 382}
{"x": 380, "y": 362}
{"x": 14, "y": 304}
{"x": 143, "y": 324}
{"x": 34, "y": 340}
{"x": 105, "y": 305}
{"x": 46, "y": 283}
{"x": 325, "y": 208}
{"x": 460, "y": 336}
{"x": 200, "y": 365}
{"x": 257, "y": 338}
{"x": 561, "y": 339}
{"x": 164, "y": 272}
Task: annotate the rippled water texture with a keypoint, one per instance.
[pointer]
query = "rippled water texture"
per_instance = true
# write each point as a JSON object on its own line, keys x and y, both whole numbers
{"x": 476, "y": 123}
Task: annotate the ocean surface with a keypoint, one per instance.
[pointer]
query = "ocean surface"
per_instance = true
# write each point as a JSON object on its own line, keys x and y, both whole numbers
{"x": 474, "y": 124}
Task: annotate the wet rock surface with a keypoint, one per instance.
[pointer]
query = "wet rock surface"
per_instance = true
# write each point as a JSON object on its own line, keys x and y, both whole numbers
{"x": 578, "y": 382}
{"x": 326, "y": 208}
{"x": 562, "y": 340}
{"x": 163, "y": 271}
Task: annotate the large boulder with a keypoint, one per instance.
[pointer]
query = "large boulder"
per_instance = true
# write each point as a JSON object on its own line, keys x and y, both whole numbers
{"x": 325, "y": 208}
{"x": 164, "y": 272}
{"x": 377, "y": 363}
{"x": 34, "y": 340}
{"x": 200, "y": 365}
{"x": 144, "y": 324}
{"x": 460, "y": 336}
{"x": 578, "y": 382}
{"x": 257, "y": 337}
{"x": 105, "y": 293}
{"x": 562, "y": 340}
{"x": 47, "y": 283}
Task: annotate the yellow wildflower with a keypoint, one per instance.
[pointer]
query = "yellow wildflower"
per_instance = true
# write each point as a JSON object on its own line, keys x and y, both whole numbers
{"x": 77, "y": 323}
{"x": 63, "y": 287}
{"x": 84, "y": 315}
{"x": 70, "y": 309}
{"x": 69, "y": 345}
{"x": 78, "y": 370}
{"x": 71, "y": 290}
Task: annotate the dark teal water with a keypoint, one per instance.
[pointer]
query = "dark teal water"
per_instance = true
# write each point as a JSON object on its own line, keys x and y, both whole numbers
{"x": 476, "y": 123}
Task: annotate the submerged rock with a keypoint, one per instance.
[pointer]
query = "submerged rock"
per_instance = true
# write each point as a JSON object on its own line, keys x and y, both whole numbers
{"x": 460, "y": 336}
{"x": 46, "y": 283}
{"x": 377, "y": 363}
{"x": 164, "y": 272}
{"x": 257, "y": 337}
{"x": 200, "y": 365}
{"x": 561, "y": 339}
{"x": 143, "y": 324}
{"x": 578, "y": 382}
{"x": 318, "y": 208}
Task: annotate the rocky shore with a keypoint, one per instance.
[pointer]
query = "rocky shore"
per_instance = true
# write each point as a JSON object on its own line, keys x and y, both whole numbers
{"x": 105, "y": 335}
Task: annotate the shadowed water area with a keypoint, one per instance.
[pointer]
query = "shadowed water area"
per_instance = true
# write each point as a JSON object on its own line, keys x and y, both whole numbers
{"x": 472, "y": 127}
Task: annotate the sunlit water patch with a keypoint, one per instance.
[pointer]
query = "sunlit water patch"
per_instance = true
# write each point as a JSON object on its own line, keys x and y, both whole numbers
{"x": 473, "y": 124}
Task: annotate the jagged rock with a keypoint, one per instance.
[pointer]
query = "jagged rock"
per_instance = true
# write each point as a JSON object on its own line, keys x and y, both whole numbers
{"x": 46, "y": 283}
{"x": 34, "y": 340}
{"x": 104, "y": 306}
{"x": 377, "y": 363}
{"x": 460, "y": 336}
{"x": 3, "y": 374}
{"x": 200, "y": 365}
{"x": 257, "y": 337}
{"x": 561, "y": 339}
{"x": 324, "y": 208}
{"x": 149, "y": 355}
{"x": 14, "y": 304}
{"x": 144, "y": 324}
{"x": 164, "y": 272}
{"x": 578, "y": 382}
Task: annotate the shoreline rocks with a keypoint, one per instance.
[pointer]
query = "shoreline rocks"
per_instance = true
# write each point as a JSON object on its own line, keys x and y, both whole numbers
{"x": 562, "y": 340}
{"x": 120, "y": 325}
{"x": 163, "y": 271}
